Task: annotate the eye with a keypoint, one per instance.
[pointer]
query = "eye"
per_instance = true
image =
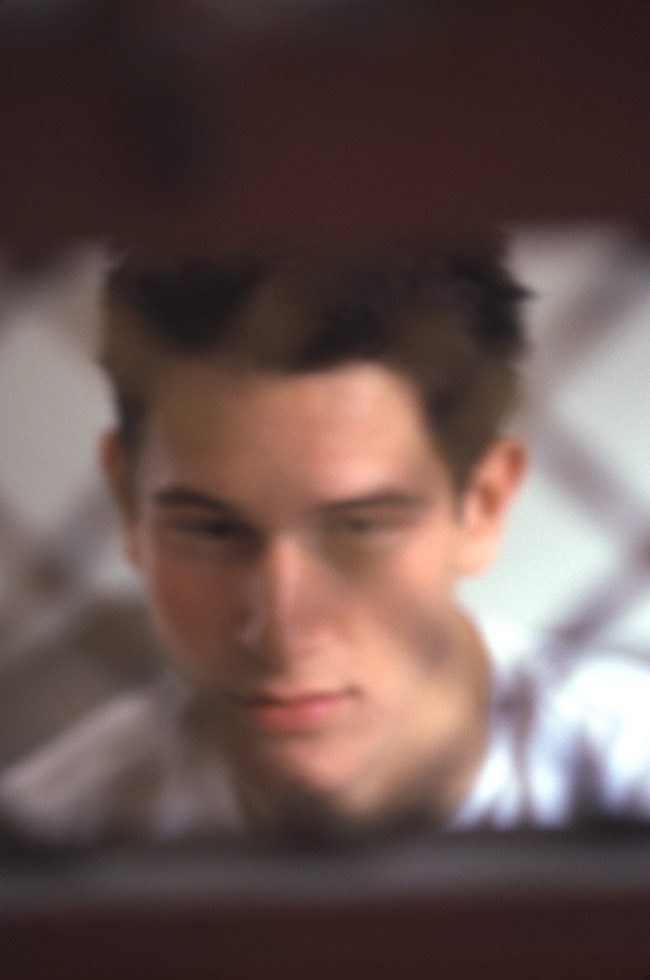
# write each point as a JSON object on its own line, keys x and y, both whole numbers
{"x": 212, "y": 530}
{"x": 372, "y": 526}
{"x": 367, "y": 527}
{"x": 362, "y": 525}
{"x": 218, "y": 537}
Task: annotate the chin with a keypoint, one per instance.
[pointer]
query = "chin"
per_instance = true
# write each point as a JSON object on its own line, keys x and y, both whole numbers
{"x": 309, "y": 770}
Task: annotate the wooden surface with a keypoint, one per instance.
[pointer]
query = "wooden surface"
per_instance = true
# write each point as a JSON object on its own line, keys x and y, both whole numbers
{"x": 509, "y": 906}
{"x": 156, "y": 123}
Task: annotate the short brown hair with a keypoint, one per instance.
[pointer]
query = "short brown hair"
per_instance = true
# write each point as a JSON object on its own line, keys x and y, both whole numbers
{"x": 448, "y": 318}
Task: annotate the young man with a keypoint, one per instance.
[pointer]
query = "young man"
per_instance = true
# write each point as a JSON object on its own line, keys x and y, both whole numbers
{"x": 307, "y": 458}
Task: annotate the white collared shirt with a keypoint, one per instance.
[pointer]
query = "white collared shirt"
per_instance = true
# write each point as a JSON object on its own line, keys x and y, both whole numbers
{"x": 569, "y": 741}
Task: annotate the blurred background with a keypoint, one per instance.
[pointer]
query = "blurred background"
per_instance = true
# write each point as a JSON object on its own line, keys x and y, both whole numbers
{"x": 576, "y": 555}
{"x": 216, "y": 124}
{"x": 207, "y": 125}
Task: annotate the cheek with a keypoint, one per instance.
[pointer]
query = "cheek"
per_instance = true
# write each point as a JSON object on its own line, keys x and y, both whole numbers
{"x": 408, "y": 612}
{"x": 417, "y": 576}
{"x": 193, "y": 610}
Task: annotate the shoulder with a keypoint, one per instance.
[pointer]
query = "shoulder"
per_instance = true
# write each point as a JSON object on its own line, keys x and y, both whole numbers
{"x": 65, "y": 791}
{"x": 610, "y": 682}
{"x": 577, "y": 719}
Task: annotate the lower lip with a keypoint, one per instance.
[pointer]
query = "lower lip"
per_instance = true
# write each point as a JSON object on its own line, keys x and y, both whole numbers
{"x": 301, "y": 714}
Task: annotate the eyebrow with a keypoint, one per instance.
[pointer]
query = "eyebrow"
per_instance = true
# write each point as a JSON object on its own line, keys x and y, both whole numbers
{"x": 178, "y": 496}
{"x": 184, "y": 497}
{"x": 397, "y": 499}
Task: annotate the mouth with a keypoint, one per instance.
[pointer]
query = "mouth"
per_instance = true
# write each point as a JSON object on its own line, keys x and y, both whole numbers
{"x": 307, "y": 711}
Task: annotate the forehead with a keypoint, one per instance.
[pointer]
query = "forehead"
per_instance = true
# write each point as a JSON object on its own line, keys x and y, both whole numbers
{"x": 360, "y": 423}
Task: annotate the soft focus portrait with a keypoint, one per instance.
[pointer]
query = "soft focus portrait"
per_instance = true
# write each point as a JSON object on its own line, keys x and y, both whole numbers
{"x": 324, "y": 498}
{"x": 373, "y": 515}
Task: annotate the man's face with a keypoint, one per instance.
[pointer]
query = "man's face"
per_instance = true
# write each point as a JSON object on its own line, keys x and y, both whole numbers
{"x": 299, "y": 541}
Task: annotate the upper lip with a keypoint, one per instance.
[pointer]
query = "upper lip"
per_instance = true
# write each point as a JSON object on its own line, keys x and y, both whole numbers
{"x": 288, "y": 697}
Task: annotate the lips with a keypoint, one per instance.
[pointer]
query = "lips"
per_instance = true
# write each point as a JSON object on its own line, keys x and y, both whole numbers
{"x": 302, "y": 712}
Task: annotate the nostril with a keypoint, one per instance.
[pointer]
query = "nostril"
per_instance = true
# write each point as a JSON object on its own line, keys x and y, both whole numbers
{"x": 282, "y": 602}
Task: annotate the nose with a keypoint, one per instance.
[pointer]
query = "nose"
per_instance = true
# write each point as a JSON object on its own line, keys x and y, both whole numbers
{"x": 285, "y": 599}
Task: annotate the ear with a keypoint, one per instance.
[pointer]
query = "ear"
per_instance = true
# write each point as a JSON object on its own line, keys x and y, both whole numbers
{"x": 118, "y": 475}
{"x": 485, "y": 502}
